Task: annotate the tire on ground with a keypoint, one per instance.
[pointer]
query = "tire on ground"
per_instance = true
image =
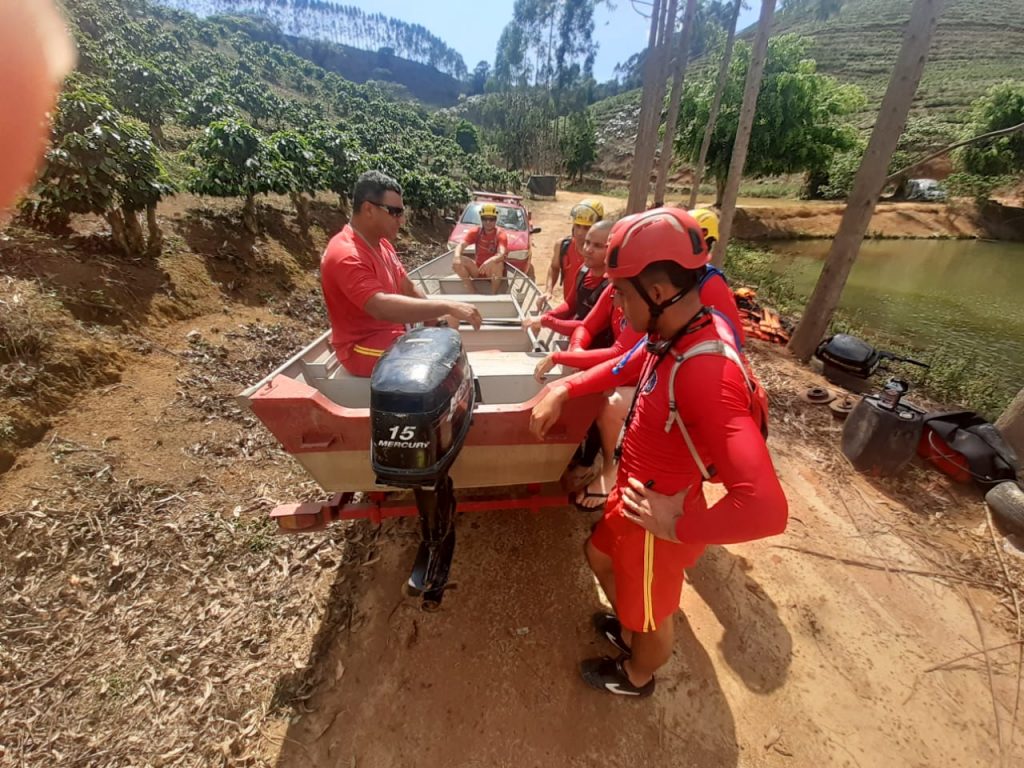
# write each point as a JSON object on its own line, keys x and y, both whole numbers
{"x": 1006, "y": 501}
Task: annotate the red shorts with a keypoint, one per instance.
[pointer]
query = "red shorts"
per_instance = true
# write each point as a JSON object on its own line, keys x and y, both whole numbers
{"x": 648, "y": 570}
{"x": 364, "y": 355}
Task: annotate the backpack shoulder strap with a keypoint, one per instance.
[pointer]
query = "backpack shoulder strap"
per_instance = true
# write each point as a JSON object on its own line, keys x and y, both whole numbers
{"x": 711, "y": 347}
{"x": 710, "y": 270}
{"x": 563, "y": 249}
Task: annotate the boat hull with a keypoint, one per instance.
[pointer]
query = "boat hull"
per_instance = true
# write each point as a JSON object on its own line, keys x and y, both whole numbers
{"x": 320, "y": 413}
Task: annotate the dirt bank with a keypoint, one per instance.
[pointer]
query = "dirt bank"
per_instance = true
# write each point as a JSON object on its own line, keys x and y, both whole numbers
{"x": 779, "y": 221}
{"x": 148, "y": 615}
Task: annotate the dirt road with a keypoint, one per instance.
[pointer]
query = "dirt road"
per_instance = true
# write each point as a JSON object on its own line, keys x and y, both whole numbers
{"x": 811, "y": 649}
{"x": 150, "y": 618}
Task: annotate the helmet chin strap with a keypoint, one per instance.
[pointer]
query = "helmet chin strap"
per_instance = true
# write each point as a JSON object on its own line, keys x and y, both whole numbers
{"x": 661, "y": 346}
{"x": 655, "y": 309}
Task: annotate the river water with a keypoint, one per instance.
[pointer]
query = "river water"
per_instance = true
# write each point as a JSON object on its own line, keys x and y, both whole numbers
{"x": 956, "y": 295}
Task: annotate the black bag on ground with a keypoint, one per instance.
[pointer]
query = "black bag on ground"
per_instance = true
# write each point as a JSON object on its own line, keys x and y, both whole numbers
{"x": 990, "y": 458}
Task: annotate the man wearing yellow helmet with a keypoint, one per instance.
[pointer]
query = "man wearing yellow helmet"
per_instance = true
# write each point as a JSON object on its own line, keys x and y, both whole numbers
{"x": 491, "y": 248}
{"x": 567, "y": 257}
{"x": 714, "y": 288}
{"x": 708, "y": 221}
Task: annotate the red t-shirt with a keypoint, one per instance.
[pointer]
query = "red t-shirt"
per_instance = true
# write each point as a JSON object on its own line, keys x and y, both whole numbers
{"x": 351, "y": 273}
{"x": 572, "y": 262}
{"x": 486, "y": 244}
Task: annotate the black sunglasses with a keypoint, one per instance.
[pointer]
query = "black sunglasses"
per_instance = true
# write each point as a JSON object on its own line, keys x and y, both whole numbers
{"x": 393, "y": 210}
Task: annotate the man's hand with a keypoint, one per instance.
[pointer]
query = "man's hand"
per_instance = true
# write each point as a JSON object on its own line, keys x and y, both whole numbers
{"x": 460, "y": 310}
{"x": 543, "y": 301}
{"x": 654, "y": 511}
{"x": 532, "y": 324}
{"x": 546, "y": 412}
{"x": 546, "y": 364}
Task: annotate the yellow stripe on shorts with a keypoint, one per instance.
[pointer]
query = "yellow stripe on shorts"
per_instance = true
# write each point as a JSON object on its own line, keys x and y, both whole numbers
{"x": 367, "y": 351}
{"x": 649, "y": 625}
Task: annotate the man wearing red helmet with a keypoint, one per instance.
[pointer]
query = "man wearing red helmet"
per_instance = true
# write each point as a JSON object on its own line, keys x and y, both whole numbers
{"x": 684, "y": 427}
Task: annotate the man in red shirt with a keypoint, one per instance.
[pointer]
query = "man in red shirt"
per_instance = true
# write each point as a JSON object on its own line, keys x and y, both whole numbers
{"x": 491, "y": 247}
{"x": 567, "y": 256}
{"x": 697, "y": 416}
{"x": 368, "y": 294}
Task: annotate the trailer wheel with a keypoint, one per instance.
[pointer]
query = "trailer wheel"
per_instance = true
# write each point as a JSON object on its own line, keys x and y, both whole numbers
{"x": 1006, "y": 501}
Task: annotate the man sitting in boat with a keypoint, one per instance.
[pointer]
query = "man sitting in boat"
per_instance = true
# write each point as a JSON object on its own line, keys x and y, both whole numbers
{"x": 567, "y": 257}
{"x": 589, "y": 284}
{"x": 491, "y": 247}
{"x": 368, "y": 294}
{"x": 698, "y": 414}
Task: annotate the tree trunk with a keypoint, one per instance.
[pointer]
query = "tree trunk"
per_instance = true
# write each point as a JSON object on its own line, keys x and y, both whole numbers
{"x": 133, "y": 232}
{"x": 716, "y": 105}
{"x": 156, "y": 237}
{"x": 1011, "y": 424}
{"x": 668, "y": 141}
{"x": 301, "y": 204}
{"x": 751, "y": 90}
{"x": 249, "y": 214}
{"x": 662, "y": 16}
{"x": 860, "y": 205}
{"x": 117, "y": 233}
{"x": 719, "y": 191}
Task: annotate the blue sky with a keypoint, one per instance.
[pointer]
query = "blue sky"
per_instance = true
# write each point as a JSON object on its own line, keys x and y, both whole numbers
{"x": 472, "y": 27}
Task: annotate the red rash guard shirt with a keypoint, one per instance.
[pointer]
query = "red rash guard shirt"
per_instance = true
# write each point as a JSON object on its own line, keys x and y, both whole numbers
{"x": 486, "y": 244}
{"x": 351, "y": 273}
{"x": 572, "y": 261}
{"x": 717, "y": 294}
{"x": 715, "y": 406}
{"x": 603, "y": 315}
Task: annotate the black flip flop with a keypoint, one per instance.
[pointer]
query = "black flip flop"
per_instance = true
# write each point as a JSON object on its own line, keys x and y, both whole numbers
{"x": 589, "y": 495}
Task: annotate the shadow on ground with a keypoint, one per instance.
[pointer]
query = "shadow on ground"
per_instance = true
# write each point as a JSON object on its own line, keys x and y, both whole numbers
{"x": 491, "y": 679}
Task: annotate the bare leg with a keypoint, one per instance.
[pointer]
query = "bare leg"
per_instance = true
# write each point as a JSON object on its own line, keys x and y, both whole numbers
{"x": 496, "y": 272}
{"x": 609, "y": 424}
{"x": 467, "y": 270}
{"x": 650, "y": 651}
{"x": 601, "y": 565}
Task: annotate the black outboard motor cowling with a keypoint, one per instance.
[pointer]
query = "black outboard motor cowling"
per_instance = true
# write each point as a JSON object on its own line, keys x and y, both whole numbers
{"x": 421, "y": 406}
{"x": 849, "y": 361}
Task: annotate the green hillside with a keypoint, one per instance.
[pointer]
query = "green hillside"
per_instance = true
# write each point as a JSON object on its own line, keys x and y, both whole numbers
{"x": 976, "y": 45}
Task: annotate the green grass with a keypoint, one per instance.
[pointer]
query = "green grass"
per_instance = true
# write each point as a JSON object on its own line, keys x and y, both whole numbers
{"x": 775, "y": 189}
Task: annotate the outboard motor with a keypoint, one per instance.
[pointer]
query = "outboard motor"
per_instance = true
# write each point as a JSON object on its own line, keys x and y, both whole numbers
{"x": 421, "y": 406}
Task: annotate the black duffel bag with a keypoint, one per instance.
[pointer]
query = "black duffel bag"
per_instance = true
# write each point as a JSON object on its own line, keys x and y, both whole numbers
{"x": 989, "y": 457}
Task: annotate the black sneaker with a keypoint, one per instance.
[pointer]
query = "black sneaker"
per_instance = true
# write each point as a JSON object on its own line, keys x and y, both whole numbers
{"x": 608, "y": 627}
{"x": 609, "y": 675}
